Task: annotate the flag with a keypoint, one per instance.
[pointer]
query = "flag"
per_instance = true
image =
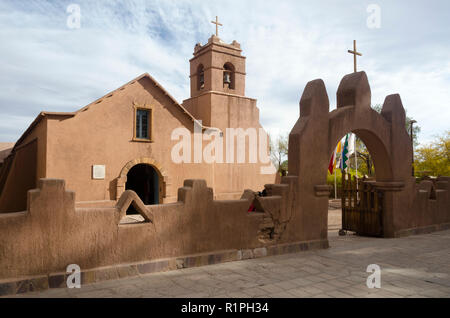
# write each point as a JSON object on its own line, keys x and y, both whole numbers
{"x": 339, "y": 147}
{"x": 338, "y": 163}
{"x": 345, "y": 154}
{"x": 338, "y": 150}
{"x": 351, "y": 145}
{"x": 333, "y": 163}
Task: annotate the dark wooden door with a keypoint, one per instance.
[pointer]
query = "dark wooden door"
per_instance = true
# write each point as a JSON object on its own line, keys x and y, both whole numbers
{"x": 362, "y": 206}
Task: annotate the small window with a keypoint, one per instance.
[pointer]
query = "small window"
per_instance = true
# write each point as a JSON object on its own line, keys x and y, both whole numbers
{"x": 143, "y": 120}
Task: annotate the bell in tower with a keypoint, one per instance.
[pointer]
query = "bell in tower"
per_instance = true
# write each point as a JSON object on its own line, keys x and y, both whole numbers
{"x": 201, "y": 77}
{"x": 228, "y": 76}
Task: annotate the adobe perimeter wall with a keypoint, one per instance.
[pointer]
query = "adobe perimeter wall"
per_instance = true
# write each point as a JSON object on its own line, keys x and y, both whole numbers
{"x": 53, "y": 233}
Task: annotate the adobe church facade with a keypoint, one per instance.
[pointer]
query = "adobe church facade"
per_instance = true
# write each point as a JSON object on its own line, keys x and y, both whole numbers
{"x": 124, "y": 139}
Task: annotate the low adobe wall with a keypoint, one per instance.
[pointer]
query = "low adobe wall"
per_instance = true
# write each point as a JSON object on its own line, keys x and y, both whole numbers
{"x": 53, "y": 233}
{"x": 427, "y": 208}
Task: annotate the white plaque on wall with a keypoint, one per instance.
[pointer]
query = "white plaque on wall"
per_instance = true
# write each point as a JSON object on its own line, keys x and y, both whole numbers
{"x": 98, "y": 172}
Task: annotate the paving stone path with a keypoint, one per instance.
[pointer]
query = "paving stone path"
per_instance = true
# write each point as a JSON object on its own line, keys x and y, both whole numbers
{"x": 415, "y": 266}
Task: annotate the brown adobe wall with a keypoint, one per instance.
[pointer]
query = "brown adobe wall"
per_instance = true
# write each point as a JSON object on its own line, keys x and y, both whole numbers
{"x": 22, "y": 169}
{"x": 52, "y": 233}
{"x": 18, "y": 177}
{"x": 429, "y": 208}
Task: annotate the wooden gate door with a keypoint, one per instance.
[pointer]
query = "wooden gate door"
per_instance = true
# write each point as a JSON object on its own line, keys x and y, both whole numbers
{"x": 361, "y": 206}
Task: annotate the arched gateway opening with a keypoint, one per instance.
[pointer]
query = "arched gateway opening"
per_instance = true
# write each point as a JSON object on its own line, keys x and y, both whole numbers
{"x": 356, "y": 205}
{"x": 361, "y": 200}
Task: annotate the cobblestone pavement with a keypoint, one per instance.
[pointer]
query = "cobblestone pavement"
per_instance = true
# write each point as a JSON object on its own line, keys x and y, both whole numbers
{"x": 415, "y": 266}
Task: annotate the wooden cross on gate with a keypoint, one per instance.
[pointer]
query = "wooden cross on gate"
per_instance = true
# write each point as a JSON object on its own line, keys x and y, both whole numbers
{"x": 354, "y": 52}
{"x": 217, "y": 25}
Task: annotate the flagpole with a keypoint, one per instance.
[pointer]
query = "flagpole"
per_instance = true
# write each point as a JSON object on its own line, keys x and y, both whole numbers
{"x": 335, "y": 189}
{"x": 356, "y": 165}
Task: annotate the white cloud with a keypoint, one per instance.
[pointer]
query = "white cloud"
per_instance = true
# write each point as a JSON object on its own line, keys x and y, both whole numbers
{"x": 9, "y": 124}
{"x": 424, "y": 95}
{"x": 46, "y": 66}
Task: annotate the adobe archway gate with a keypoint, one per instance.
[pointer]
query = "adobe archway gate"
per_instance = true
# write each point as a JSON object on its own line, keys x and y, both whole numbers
{"x": 316, "y": 133}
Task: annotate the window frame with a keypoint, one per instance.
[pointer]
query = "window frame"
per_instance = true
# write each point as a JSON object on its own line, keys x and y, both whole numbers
{"x": 148, "y": 109}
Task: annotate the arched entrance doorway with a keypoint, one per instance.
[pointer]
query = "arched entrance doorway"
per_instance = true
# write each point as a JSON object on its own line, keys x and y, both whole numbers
{"x": 145, "y": 180}
{"x": 154, "y": 167}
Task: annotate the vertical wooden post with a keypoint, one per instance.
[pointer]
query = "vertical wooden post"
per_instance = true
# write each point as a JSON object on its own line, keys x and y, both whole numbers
{"x": 355, "y": 199}
{"x": 361, "y": 189}
{"x": 376, "y": 203}
{"x": 343, "y": 208}
{"x": 350, "y": 191}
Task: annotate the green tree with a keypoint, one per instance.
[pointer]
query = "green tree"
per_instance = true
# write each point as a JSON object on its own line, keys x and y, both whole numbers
{"x": 279, "y": 152}
{"x": 434, "y": 159}
{"x": 416, "y": 128}
{"x": 364, "y": 159}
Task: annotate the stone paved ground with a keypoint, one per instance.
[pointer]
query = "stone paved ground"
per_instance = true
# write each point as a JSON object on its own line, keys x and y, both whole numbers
{"x": 334, "y": 220}
{"x": 415, "y": 266}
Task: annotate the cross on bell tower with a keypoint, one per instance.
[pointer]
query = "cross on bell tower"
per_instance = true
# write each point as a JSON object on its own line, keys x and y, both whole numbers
{"x": 217, "y": 25}
{"x": 217, "y": 76}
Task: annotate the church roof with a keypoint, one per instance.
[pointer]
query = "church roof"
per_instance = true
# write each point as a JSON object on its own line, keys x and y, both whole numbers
{"x": 36, "y": 121}
{"x": 5, "y": 150}
{"x": 72, "y": 114}
{"x": 145, "y": 75}
{"x": 6, "y": 145}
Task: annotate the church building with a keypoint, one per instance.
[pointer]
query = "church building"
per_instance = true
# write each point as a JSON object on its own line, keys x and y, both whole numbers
{"x": 124, "y": 140}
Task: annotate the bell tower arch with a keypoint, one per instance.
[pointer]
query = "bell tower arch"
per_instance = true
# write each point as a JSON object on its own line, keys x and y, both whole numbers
{"x": 217, "y": 77}
{"x": 220, "y": 66}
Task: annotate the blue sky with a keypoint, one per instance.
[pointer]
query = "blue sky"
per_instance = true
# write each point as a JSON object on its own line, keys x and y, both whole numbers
{"x": 44, "y": 65}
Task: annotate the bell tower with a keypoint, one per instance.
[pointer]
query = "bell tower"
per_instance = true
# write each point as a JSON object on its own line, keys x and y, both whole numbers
{"x": 217, "y": 76}
{"x": 217, "y": 67}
